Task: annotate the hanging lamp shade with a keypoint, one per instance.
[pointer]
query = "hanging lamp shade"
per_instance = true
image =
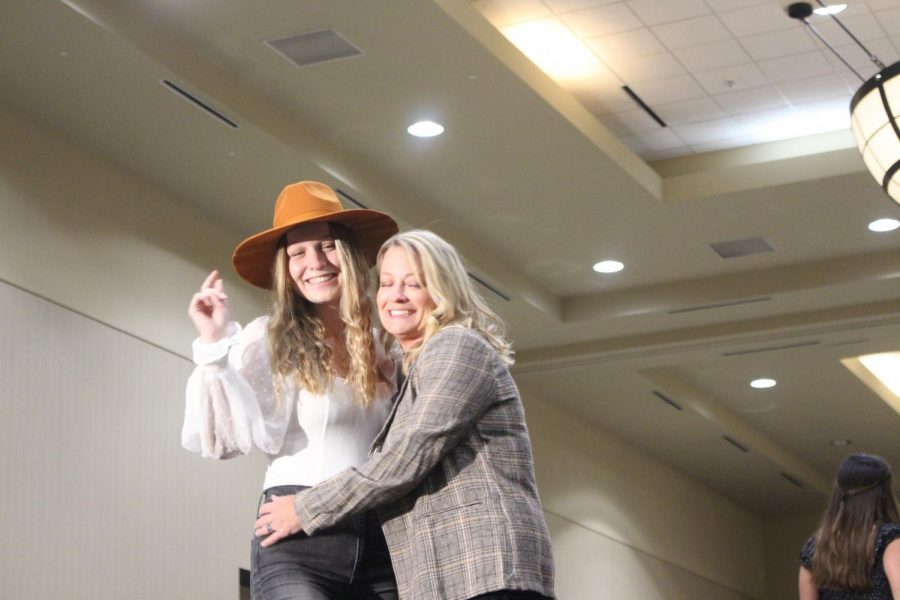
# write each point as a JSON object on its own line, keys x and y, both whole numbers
{"x": 874, "y": 111}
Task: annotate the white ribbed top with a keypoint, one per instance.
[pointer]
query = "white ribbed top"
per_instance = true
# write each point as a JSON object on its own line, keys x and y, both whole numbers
{"x": 230, "y": 406}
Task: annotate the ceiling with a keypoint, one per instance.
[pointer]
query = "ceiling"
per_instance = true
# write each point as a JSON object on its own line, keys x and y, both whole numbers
{"x": 534, "y": 187}
{"x": 719, "y": 73}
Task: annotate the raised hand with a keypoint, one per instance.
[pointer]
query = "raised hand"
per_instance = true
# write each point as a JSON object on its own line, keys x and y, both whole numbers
{"x": 208, "y": 309}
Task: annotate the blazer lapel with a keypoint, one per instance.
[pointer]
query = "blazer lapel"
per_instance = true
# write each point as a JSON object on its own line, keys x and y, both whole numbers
{"x": 395, "y": 402}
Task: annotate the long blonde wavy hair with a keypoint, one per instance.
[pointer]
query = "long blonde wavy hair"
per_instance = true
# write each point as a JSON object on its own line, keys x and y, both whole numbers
{"x": 456, "y": 300}
{"x": 296, "y": 336}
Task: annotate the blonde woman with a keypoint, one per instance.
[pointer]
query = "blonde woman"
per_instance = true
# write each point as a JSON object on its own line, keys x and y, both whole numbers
{"x": 307, "y": 385}
{"x": 451, "y": 474}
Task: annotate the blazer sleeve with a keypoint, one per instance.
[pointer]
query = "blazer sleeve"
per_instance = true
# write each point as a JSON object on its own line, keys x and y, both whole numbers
{"x": 452, "y": 384}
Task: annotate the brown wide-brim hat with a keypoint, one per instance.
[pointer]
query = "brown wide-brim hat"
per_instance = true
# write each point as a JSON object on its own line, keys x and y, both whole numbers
{"x": 308, "y": 202}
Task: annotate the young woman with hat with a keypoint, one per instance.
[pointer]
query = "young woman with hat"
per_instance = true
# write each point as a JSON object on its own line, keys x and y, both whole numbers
{"x": 308, "y": 385}
{"x": 451, "y": 474}
{"x": 855, "y": 554}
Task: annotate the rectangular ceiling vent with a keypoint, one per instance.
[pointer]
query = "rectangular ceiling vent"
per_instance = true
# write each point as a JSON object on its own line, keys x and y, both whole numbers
{"x": 792, "y": 479}
{"x": 667, "y": 400}
{"x": 719, "y": 305}
{"x": 199, "y": 103}
{"x": 736, "y": 444}
{"x": 738, "y": 248}
{"x": 772, "y": 348}
{"x": 314, "y": 47}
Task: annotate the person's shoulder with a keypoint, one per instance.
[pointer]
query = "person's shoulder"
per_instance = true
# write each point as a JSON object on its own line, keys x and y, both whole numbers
{"x": 887, "y": 534}
{"x": 806, "y": 553}
{"x": 457, "y": 337}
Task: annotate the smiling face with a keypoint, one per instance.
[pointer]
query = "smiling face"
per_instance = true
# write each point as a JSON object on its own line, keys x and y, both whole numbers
{"x": 403, "y": 302}
{"x": 313, "y": 263}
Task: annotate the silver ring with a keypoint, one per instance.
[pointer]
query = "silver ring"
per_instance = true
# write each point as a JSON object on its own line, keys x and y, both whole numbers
{"x": 269, "y": 528}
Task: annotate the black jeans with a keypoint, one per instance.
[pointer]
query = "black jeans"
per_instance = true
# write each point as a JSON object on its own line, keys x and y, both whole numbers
{"x": 347, "y": 561}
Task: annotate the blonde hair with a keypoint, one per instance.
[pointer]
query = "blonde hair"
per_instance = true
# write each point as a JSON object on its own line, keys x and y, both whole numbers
{"x": 296, "y": 337}
{"x": 456, "y": 300}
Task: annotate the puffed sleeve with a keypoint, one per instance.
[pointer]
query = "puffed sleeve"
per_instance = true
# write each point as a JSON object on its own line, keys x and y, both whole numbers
{"x": 806, "y": 553}
{"x": 230, "y": 403}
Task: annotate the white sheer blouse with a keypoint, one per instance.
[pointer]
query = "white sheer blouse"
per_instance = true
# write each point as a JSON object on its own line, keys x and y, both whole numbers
{"x": 230, "y": 407}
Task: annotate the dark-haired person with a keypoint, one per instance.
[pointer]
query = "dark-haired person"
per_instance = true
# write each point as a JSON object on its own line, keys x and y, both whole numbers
{"x": 302, "y": 384}
{"x": 855, "y": 553}
{"x": 451, "y": 474}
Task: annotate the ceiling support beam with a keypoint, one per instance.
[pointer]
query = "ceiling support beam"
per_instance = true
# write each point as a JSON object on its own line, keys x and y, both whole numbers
{"x": 730, "y": 424}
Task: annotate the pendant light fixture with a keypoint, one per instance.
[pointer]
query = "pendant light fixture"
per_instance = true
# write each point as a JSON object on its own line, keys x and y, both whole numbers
{"x": 874, "y": 108}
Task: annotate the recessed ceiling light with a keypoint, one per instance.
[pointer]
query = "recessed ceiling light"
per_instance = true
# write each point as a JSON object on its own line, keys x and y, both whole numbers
{"x": 608, "y": 266}
{"x": 762, "y": 383}
{"x": 841, "y": 442}
{"x": 882, "y": 225}
{"x": 831, "y": 9}
{"x": 425, "y": 129}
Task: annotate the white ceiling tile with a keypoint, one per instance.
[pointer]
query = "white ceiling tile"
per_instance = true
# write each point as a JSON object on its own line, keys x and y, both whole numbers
{"x": 694, "y": 32}
{"x": 890, "y": 21}
{"x": 689, "y": 111}
{"x": 877, "y": 5}
{"x": 564, "y": 6}
{"x": 628, "y": 123}
{"x": 722, "y": 145}
{"x": 814, "y": 89}
{"x": 822, "y": 117}
{"x": 602, "y": 20}
{"x": 660, "y": 91}
{"x": 628, "y": 44}
{"x": 732, "y": 79}
{"x": 723, "y": 5}
{"x": 865, "y": 27}
{"x": 756, "y": 20}
{"x": 655, "y": 12}
{"x": 709, "y": 131}
{"x": 657, "y": 139}
{"x": 503, "y": 13}
{"x": 757, "y": 99}
{"x": 779, "y": 43}
{"x": 799, "y": 66}
{"x": 713, "y": 56}
{"x": 642, "y": 68}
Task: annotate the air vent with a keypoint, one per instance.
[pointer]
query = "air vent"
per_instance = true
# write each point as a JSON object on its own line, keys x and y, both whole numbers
{"x": 772, "y": 348}
{"x": 793, "y": 480}
{"x": 719, "y": 305}
{"x": 736, "y": 444}
{"x": 738, "y": 248}
{"x": 640, "y": 102}
{"x": 314, "y": 47}
{"x": 479, "y": 280}
{"x": 667, "y": 400}
{"x": 199, "y": 103}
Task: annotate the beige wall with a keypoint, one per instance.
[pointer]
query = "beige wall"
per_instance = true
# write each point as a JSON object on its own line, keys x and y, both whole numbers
{"x": 104, "y": 243}
{"x": 784, "y": 537}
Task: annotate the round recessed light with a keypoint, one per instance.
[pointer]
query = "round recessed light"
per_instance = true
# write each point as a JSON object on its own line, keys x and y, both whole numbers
{"x": 831, "y": 9}
{"x": 608, "y": 266}
{"x": 882, "y": 225}
{"x": 841, "y": 442}
{"x": 425, "y": 129}
{"x": 762, "y": 383}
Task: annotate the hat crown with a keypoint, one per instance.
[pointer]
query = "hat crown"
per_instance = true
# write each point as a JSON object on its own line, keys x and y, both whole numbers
{"x": 304, "y": 200}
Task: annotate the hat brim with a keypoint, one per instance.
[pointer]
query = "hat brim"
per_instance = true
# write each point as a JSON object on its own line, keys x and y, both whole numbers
{"x": 253, "y": 258}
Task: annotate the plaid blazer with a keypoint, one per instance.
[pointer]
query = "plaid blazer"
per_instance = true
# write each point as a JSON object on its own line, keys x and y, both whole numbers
{"x": 452, "y": 477}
